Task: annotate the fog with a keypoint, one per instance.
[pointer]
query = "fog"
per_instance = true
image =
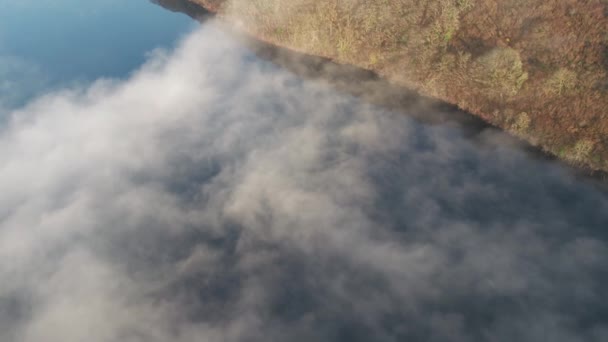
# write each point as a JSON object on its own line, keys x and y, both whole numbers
{"x": 213, "y": 196}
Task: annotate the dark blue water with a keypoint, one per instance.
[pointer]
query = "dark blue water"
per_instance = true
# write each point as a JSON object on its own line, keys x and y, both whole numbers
{"x": 205, "y": 194}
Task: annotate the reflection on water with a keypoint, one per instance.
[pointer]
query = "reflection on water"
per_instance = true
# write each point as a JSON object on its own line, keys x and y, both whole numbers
{"x": 184, "y": 6}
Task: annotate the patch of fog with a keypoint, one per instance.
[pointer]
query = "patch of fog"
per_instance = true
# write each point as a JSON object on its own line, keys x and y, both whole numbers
{"x": 213, "y": 197}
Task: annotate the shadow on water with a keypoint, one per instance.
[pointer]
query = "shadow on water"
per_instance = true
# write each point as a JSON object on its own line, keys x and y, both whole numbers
{"x": 372, "y": 88}
{"x": 192, "y": 10}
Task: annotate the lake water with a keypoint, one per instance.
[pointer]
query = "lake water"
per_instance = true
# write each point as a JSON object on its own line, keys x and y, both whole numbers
{"x": 163, "y": 180}
{"x": 57, "y": 43}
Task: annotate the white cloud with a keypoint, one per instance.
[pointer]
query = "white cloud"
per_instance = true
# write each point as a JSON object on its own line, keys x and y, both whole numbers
{"x": 213, "y": 197}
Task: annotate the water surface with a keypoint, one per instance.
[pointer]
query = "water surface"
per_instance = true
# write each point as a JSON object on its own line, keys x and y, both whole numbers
{"x": 50, "y": 44}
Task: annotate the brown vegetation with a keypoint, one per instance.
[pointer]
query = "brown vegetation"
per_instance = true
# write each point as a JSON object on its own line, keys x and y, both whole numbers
{"x": 536, "y": 68}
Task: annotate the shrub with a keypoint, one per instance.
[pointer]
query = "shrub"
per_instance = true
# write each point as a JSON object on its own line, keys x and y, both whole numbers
{"x": 500, "y": 72}
{"x": 561, "y": 82}
{"x": 580, "y": 152}
{"x": 522, "y": 123}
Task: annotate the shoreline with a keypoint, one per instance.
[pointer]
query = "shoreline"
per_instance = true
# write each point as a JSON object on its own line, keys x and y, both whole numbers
{"x": 371, "y": 87}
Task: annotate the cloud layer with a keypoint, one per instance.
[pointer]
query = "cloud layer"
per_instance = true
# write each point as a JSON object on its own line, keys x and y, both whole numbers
{"x": 214, "y": 197}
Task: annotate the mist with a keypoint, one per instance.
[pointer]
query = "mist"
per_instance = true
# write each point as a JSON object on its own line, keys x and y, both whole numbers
{"x": 213, "y": 196}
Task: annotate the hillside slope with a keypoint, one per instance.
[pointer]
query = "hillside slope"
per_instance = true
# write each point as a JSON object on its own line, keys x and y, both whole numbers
{"x": 536, "y": 68}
